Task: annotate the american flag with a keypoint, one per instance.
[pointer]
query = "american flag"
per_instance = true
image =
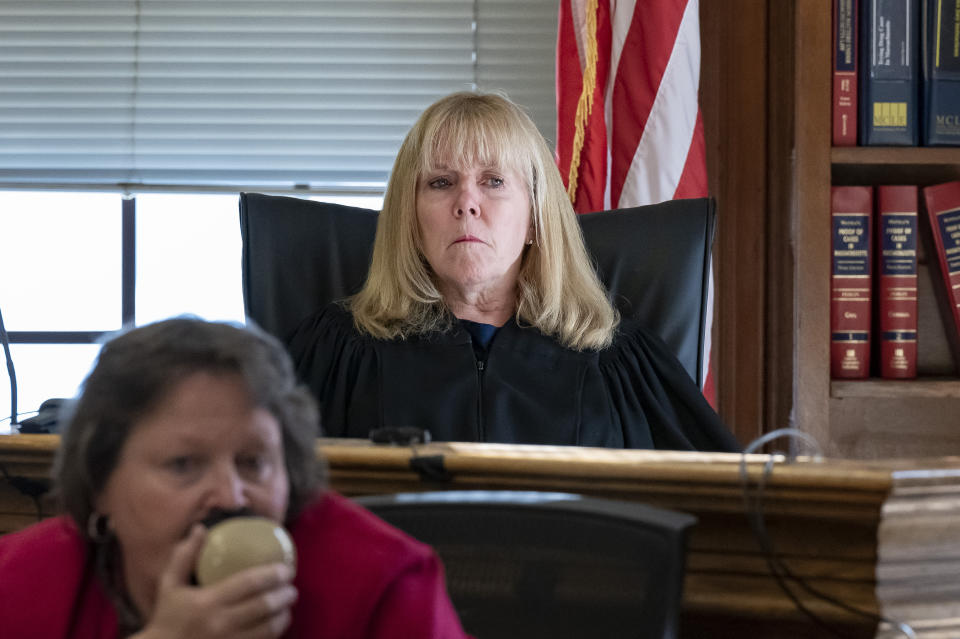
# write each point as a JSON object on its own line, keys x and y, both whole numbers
{"x": 629, "y": 130}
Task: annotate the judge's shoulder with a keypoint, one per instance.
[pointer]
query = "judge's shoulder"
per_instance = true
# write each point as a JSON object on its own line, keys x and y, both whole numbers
{"x": 332, "y": 322}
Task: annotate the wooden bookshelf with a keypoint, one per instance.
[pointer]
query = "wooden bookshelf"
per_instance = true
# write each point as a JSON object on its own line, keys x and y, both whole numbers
{"x": 924, "y": 387}
{"x": 870, "y": 418}
{"x": 897, "y": 155}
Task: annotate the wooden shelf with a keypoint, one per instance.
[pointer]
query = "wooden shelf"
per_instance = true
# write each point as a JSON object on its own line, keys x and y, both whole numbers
{"x": 894, "y": 155}
{"x": 947, "y": 387}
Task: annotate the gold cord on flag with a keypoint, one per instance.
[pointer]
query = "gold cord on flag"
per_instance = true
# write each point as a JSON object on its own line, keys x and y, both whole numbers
{"x": 585, "y": 103}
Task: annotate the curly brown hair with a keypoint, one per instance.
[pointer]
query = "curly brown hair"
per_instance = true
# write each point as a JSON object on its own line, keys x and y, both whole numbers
{"x": 136, "y": 370}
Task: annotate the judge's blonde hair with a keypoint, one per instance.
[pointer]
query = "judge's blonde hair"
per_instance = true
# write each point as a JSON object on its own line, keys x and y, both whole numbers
{"x": 558, "y": 290}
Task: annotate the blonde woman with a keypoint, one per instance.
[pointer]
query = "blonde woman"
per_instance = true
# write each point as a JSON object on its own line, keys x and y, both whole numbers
{"x": 482, "y": 317}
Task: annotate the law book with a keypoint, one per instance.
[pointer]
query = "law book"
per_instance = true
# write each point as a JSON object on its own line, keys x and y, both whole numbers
{"x": 941, "y": 73}
{"x": 896, "y": 279}
{"x": 850, "y": 281}
{"x": 845, "y": 72}
{"x": 943, "y": 211}
{"x": 889, "y": 73}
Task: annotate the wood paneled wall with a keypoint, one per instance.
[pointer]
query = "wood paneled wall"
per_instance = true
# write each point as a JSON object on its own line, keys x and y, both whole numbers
{"x": 735, "y": 90}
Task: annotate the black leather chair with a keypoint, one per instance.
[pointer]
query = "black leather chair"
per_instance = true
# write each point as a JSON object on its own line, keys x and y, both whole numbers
{"x": 532, "y": 565}
{"x": 299, "y": 255}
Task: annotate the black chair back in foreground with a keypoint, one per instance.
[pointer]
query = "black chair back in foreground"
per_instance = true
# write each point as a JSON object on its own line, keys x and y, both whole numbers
{"x": 536, "y": 564}
{"x": 299, "y": 255}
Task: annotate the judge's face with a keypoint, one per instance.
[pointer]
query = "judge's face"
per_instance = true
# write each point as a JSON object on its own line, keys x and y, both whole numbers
{"x": 474, "y": 223}
{"x": 206, "y": 446}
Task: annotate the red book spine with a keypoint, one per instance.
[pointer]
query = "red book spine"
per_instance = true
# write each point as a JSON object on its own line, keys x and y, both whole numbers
{"x": 850, "y": 281}
{"x": 943, "y": 209}
{"x": 897, "y": 280}
{"x": 845, "y": 72}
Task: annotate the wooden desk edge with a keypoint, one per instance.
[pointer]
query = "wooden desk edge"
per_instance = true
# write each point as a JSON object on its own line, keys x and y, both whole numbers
{"x": 861, "y": 499}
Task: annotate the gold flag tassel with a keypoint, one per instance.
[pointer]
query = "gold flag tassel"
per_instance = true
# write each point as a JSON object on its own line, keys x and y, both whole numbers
{"x": 585, "y": 103}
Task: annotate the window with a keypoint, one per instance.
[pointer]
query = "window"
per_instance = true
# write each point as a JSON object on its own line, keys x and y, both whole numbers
{"x": 62, "y": 292}
{"x": 128, "y": 127}
{"x": 61, "y": 282}
{"x": 60, "y": 261}
{"x": 188, "y": 257}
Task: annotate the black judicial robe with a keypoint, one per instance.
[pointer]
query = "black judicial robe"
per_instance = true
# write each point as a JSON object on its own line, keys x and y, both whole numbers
{"x": 529, "y": 390}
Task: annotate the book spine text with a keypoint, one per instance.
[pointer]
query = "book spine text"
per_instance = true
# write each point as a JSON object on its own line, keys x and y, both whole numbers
{"x": 850, "y": 281}
{"x": 897, "y": 280}
{"x": 845, "y": 72}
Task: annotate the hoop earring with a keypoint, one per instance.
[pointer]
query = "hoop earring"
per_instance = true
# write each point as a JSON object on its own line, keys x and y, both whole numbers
{"x": 98, "y": 528}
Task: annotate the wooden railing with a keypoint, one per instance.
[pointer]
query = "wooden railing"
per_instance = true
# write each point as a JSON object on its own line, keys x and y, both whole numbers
{"x": 882, "y": 537}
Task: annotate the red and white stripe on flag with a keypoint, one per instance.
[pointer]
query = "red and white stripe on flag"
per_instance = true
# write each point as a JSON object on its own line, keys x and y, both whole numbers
{"x": 629, "y": 130}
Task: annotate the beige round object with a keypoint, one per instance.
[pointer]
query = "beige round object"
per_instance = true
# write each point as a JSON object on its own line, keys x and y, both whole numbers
{"x": 243, "y": 542}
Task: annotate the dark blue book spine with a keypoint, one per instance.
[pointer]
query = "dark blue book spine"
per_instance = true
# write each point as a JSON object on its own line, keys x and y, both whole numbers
{"x": 941, "y": 72}
{"x": 889, "y": 73}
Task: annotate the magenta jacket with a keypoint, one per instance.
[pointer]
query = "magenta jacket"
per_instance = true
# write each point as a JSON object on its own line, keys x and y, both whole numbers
{"x": 357, "y": 578}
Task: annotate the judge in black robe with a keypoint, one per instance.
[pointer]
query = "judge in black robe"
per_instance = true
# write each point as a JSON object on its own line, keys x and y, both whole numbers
{"x": 482, "y": 317}
{"x": 523, "y": 387}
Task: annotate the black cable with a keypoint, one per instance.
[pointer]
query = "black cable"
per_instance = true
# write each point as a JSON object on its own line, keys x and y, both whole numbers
{"x": 13, "y": 375}
{"x": 780, "y": 571}
{"x": 777, "y": 563}
{"x": 20, "y": 414}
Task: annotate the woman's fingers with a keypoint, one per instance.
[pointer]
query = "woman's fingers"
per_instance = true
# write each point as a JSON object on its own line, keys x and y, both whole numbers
{"x": 267, "y": 615}
{"x": 183, "y": 558}
{"x": 251, "y": 582}
{"x": 252, "y": 604}
{"x": 269, "y": 628}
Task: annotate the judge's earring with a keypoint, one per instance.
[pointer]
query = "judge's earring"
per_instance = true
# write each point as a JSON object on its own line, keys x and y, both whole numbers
{"x": 98, "y": 528}
{"x": 529, "y": 242}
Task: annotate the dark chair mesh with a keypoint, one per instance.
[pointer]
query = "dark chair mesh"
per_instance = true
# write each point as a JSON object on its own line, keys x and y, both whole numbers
{"x": 581, "y": 568}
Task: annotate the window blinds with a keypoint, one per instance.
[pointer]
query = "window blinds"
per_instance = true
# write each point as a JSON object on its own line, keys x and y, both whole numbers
{"x": 311, "y": 94}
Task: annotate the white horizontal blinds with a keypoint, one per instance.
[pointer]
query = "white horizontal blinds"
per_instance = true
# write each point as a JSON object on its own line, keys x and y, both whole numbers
{"x": 309, "y": 92}
{"x": 66, "y": 90}
{"x": 239, "y": 92}
{"x": 516, "y": 54}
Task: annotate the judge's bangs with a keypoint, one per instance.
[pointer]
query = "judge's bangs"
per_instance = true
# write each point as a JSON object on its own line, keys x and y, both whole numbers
{"x": 485, "y": 131}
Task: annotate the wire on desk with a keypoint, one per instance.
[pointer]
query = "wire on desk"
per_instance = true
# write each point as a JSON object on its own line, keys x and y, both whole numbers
{"x": 778, "y": 568}
{"x": 19, "y": 415}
